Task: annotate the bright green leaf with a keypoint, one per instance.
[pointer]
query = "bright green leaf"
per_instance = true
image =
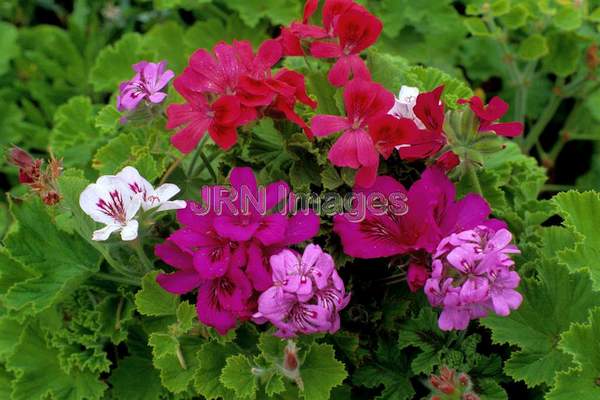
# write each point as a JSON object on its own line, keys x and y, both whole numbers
{"x": 550, "y": 304}
{"x": 568, "y": 18}
{"x": 237, "y": 376}
{"x": 113, "y": 64}
{"x": 153, "y": 300}
{"x": 476, "y": 26}
{"x": 321, "y": 372}
{"x": 534, "y": 47}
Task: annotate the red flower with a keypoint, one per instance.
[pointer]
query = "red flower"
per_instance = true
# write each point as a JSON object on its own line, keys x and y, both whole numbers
{"x": 356, "y": 31}
{"x": 424, "y": 143}
{"x": 448, "y": 161}
{"x": 495, "y": 109}
{"x": 364, "y": 102}
{"x": 220, "y": 118}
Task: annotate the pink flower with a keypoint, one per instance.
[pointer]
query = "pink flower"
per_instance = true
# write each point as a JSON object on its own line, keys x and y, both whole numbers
{"x": 307, "y": 294}
{"x": 476, "y": 270}
{"x": 364, "y": 101}
{"x": 220, "y": 250}
{"x": 433, "y": 213}
{"x": 149, "y": 80}
{"x": 356, "y": 30}
{"x": 492, "y": 112}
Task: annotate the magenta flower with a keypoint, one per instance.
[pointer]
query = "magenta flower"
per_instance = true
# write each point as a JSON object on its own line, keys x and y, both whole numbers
{"x": 416, "y": 276}
{"x": 221, "y": 249}
{"x": 149, "y": 80}
{"x": 306, "y": 296}
{"x": 472, "y": 275}
{"x": 433, "y": 213}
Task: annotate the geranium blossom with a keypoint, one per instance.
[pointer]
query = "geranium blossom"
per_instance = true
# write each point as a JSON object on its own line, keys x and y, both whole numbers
{"x": 433, "y": 213}
{"x": 492, "y": 112}
{"x": 110, "y": 202}
{"x": 231, "y": 88}
{"x": 158, "y": 199}
{"x": 364, "y": 101}
{"x": 427, "y": 112}
{"x": 115, "y": 200}
{"x": 472, "y": 275}
{"x": 220, "y": 250}
{"x": 149, "y": 80}
{"x": 307, "y": 293}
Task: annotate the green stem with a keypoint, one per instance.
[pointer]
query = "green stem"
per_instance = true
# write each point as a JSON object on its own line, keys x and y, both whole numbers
{"x": 139, "y": 250}
{"x": 118, "y": 279}
{"x": 545, "y": 118}
{"x": 208, "y": 166}
{"x": 471, "y": 174}
{"x": 196, "y": 155}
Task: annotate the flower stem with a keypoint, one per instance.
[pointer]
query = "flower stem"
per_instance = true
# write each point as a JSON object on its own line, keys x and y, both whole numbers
{"x": 537, "y": 130}
{"x": 206, "y": 162}
{"x": 471, "y": 174}
{"x": 171, "y": 169}
{"x": 196, "y": 155}
{"x": 118, "y": 279}
{"x": 139, "y": 250}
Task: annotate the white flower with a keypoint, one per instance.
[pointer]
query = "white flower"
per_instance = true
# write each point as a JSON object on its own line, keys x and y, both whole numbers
{"x": 109, "y": 202}
{"x": 151, "y": 199}
{"x": 115, "y": 200}
{"x": 405, "y": 102}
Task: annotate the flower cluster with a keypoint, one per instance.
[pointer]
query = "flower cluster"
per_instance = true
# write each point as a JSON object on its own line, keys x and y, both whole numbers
{"x": 231, "y": 88}
{"x": 347, "y": 30}
{"x": 473, "y": 274}
{"x": 224, "y": 252}
{"x": 115, "y": 200}
{"x": 307, "y": 293}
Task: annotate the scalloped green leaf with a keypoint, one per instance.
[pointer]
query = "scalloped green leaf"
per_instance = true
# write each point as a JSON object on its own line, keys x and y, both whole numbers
{"x": 237, "y": 376}
{"x": 321, "y": 372}
{"x": 550, "y": 304}
{"x": 113, "y": 63}
{"x": 153, "y": 300}
{"x": 39, "y": 373}
{"x": 580, "y": 212}
{"x": 74, "y": 137}
{"x": 54, "y": 277}
{"x": 533, "y": 48}
{"x": 212, "y": 358}
{"x": 581, "y": 342}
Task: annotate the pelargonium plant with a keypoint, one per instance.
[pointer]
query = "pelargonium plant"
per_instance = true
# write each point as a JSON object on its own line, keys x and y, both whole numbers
{"x": 303, "y": 216}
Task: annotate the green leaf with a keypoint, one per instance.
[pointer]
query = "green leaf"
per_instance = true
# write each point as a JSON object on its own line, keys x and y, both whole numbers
{"x": 9, "y": 47}
{"x": 592, "y": 104}
{"x": 516, "y": 17}
{"x": 534, "y": 47}
{"x": 39, "y": 372}
{"x": 159, "y": 40}
{"x": 212, "y": 358}
{"x": 500, "y": 7}
{"x": 135, "y": 379}
{"x": 280, "y": 12}
{"x": 581, "y": 381}
{"x": 564, "y": 56}
{"x": 568, "y": 18}
{"x": 386, "y": 69}
{"x": 550, "y": 304}
{"x": 580, "y": 212}
{"x": 390, "y": 369}
{"x": 318, "y": 85}
{"x": 113, "y": 63}
{"x": 205, "y": 34}
{"x": 595, "y": 15}
{"x": 107, "y": 120}
{"x": 476, "y": 26}
{"x": 153, "y": 300}
{"x": 178, "y": 365}
{"x": 237, "y": 376}
{"x": 55, "y": 276}
{"x": 321, "y": 372}
{"x": 74, "y": 137}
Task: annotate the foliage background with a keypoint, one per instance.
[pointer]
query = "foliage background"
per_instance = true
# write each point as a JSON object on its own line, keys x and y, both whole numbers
{"x": 60, "y": 63}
